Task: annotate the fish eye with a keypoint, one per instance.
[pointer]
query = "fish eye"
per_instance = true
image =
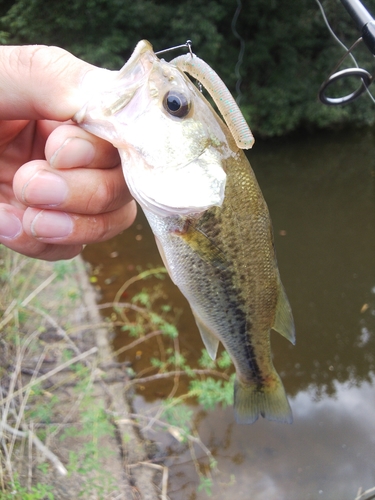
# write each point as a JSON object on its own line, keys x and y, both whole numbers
{"x": 176, "y": 104}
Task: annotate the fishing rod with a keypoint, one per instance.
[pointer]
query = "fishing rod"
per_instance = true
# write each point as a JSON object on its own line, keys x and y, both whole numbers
{"x": 365, "y": 24}
{"x": 364, "y": 21}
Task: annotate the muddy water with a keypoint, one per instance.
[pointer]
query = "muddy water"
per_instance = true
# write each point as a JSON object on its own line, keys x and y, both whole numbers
{"x": 321, "y": 194}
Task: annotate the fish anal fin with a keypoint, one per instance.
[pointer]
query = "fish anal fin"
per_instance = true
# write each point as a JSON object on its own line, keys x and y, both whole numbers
{"x": 270, "y": 402}
{"x": 284, "y": 323}
{"x": 210, "y": 341}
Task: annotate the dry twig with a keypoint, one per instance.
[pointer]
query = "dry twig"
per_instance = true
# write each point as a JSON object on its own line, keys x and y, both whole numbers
{"x": 364, "y": 495}
{"x": 28, "y": 433}
{"x": 58, "y": 369}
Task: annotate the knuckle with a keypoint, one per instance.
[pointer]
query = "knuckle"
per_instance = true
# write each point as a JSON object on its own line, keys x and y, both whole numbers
{"x": 98, "y": 200}
{"x": 105, "y": 197}
{"x": 102, "y": 227}
{"x": 35, "y": 58}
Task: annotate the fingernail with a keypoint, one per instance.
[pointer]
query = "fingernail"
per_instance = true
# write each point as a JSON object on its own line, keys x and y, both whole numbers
{"x": 10, "y": 225}
{"x": 75, "y": 152}
{"x": 49, "y": 224}
{"x": 45, "y": 188}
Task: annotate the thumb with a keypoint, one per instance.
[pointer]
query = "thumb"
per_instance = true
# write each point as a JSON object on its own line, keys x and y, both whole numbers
{"x": 40, "y": 82}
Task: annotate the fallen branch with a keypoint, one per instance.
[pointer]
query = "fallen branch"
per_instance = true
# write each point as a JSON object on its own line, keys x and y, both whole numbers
{"x": 55, "y": 325}
{"x": 173, "y": 430}
{"x": 140, "y": 276}
{"x": 58, "y": 369}
{"x": 33, "y": 294}
{"x": 164, "y": 482}
{"x": 136, "y": 342}
{"x": 159, "y": 376}
{"x": 38, "y": 444}
{"x": 363, "y": 495}
{"x": 123, "y": 305}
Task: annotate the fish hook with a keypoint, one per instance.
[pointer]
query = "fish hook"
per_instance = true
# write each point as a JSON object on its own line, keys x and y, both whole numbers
{"x": 187, "y": 44}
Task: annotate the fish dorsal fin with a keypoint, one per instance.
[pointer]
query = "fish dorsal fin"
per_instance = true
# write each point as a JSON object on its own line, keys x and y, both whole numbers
{"x": 211, "y": 343}
{"x": 284, "y": 323}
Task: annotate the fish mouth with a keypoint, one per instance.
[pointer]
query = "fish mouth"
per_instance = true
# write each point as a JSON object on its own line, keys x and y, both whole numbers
{"x": 98, "y": 114}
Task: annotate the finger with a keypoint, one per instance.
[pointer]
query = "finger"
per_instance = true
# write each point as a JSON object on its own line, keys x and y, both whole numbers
{"x": 75, "y": 190}
{"x": 21, "y": 141}
{"x": 69, "y": 146}
{"x": 39, "y": 82}
{"x": 49, "y": 226}
{"x": 14, "y": 237}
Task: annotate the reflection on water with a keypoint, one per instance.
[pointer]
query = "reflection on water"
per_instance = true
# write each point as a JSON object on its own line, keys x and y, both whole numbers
{"x": 328, "y": 453}
{"x": 321, "y": 195}
{"x": 322, "y": 198}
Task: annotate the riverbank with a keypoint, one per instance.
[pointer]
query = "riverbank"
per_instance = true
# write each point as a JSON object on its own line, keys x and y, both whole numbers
{"x": 66, "y": 425}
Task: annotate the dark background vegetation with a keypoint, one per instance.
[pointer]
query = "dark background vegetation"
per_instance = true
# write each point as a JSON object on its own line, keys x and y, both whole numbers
{"x": 288, "y": 49}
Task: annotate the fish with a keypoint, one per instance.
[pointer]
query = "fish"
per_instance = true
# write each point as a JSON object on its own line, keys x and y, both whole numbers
{"x": 186, "y": 167}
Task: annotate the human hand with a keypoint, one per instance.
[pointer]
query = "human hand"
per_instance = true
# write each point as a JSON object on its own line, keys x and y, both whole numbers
{"x": 60, "y": 187}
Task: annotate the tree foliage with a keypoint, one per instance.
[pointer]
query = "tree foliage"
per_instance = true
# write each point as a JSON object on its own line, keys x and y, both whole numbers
{"x": 288, "y": 51}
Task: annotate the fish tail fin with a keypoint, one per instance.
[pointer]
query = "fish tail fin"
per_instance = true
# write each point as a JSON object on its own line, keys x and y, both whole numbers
{"x": 269, "y": 401}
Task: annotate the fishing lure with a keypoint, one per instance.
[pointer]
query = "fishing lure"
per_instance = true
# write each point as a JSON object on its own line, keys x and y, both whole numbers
{"x": 196, "y": 67}
{"x": 199, "y": 69}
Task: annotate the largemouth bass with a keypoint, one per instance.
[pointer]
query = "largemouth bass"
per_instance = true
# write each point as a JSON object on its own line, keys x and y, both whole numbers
{"x": 212, "y": 226}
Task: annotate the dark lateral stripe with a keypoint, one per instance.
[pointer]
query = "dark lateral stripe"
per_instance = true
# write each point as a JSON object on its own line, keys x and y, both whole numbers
{"x": 210, "y": 226}
{"x": 242, "y": 329}
{"x": 250, "y": 354}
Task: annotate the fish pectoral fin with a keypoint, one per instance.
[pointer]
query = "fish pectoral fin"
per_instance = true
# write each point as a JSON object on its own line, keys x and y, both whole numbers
{"x": 164, "y": 258}
{"x": 284, "y": 323}
{"x": 204, "y": 247}
{"x": 211, "y": 343}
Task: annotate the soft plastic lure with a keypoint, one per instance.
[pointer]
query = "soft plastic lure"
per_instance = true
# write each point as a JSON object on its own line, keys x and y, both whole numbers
{"x": 196, "y": 67}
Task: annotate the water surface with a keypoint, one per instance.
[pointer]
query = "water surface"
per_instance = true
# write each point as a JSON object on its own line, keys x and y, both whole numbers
{"x": 320, "y": 190}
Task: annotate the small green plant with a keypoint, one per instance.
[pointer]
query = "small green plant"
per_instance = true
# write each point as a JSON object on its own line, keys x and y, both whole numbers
{"x": 205, "y": 485}
{"x": 36, "y": 492}
{"x": 178, "y": 416}
{"x": 94, "y": 425}
{"x": 211, "y": 392}
{"x": 210, "y": 382}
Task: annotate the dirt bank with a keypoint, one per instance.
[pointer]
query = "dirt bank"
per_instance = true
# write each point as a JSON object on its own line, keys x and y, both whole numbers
{"x": 66, "y": 424}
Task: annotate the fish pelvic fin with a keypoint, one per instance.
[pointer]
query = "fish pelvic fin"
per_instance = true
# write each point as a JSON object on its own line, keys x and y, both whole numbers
{"x": 211, "y": 343}
{"x": 284, "y": 323}
{"x": 270, "y": 402}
